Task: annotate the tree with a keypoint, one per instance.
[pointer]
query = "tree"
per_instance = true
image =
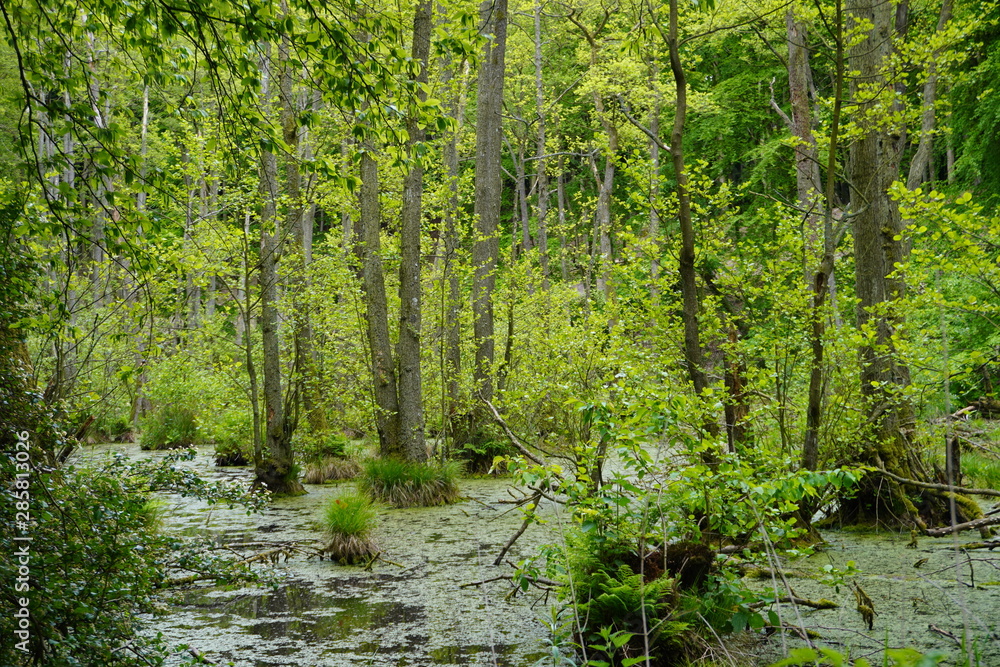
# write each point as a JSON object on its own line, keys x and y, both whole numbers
{"x": 890, "y": 436}
{"x": 411, "y": 409}
{"x": 489, "y": 144}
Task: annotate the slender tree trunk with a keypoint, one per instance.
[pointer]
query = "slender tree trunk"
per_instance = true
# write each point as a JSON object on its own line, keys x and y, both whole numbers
{"x": 654, "y": 183}
{"x": 823, "y": 278}
{"x": 542, "y": 179}
{"x": 522, "y": 197}
{"x": 452, "y": 363}
{"x": 489, "y": 138}
{"x": 377, "y": 312}
{"x": 561, "y": 216}
{"x": 410, "y": 392}
{"x": 925, "y": 146}
{"x": 693, "y": 356}
{"x": 277, "y": 470}
{"x": 807, "y": 177}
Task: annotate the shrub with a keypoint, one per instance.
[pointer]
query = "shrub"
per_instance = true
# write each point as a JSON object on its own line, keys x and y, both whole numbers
{"x": 98, "y": 559}
{"x": 350, "y": 521}
{"x": 408, "y": 484}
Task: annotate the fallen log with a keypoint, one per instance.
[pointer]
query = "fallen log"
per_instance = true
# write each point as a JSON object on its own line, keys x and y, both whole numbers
{"x": 949, "y": 530}
{"x": 939, "y": 487}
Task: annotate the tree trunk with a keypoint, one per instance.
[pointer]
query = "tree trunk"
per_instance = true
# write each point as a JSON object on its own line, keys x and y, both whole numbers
{"x": 925, "y": 146}
{"x": 277, "y": 470}
{"x": 410, "y": 392}
{"x": 489, "y": 128}
{"x": 807, "y": 176}
{"x": 542, "y": 179}
{"x": 452, "y": 354}
{"x": 822, "y": 282}
{"x": 654, "y": 183}
{"x": 694, "y": 359}
{"x": 874, "y": 165}
{"x": 377, "y": 315}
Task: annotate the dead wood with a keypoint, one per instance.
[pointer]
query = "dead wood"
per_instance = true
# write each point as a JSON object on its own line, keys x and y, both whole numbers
{"x": 949, "y": 530}
{"x": 939, "y": 487}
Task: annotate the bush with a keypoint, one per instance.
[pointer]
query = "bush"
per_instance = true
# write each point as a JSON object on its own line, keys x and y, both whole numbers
{"x": 98, "y": 559}
{"x": 350, "y": 521}
{"x": 408, "y": 484}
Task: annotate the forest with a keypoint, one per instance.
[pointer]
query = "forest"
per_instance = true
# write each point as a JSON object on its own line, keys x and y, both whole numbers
{"x": 682, "y": 315}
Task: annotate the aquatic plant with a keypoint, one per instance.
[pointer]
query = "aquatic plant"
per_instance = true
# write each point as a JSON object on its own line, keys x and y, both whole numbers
{"x": 350, "y": 521}
{"x": 331, "y": 468}
{"x": 408, "y": 484}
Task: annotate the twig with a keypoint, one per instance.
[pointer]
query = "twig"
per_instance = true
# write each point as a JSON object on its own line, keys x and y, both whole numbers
{"x": 200, "y": 657}
{"x": 538, "y": 582}
{"x": 944, "y": 633}
{"x": 520, "y": 531}
{"x": 513, "y": 438}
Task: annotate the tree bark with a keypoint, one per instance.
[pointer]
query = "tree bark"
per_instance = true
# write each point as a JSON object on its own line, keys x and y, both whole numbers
{"x": 925, "y": 145}
{"x": 823, "y": 277}
{"x": 542, "y": 179}
{"x": 488, "y": 191}
{"x": 410, "y": 391}
{"x": 693, "y": 356}
{"x": 874, "y": 165}
{"x": 377, "y": 312}
{"x": 277, "y": 469}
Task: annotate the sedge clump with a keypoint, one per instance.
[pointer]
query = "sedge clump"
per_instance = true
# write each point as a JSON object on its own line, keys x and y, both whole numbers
{"x": 349, "y": 523}
{"x": 409, "y": 484}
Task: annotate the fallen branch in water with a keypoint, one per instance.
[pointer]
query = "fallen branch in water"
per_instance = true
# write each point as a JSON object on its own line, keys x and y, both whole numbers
{"x": 944, "y": 633}
{"x": 822, "y": 603}
{"x": 537, "y": 582}
{"x": 520, "y": 531}
{"x": 200, "y": 657}
{"x": 378, "y": 556}
{"x": 949, "y": 530}
{"x": 989, "y": 544}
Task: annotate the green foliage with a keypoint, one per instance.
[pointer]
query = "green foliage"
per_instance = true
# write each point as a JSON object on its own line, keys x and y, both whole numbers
{"x": 169, "y": 427}
{"x": 352, "y": 515}
{"x": 983, "y": 470}
{"x": 408, "y": 484}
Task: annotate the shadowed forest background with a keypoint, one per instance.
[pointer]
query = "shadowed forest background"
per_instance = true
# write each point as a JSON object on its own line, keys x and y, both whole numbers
{"x": 712, "y": 276}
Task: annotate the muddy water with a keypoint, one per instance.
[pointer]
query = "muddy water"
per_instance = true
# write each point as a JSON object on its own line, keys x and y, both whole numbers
{"x": 320, "y": 613}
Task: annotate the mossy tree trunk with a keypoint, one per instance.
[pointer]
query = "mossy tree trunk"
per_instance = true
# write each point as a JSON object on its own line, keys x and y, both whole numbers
{"x": 889, "y": 437}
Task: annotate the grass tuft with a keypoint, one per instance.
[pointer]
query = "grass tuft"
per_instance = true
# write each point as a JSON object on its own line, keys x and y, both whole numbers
{"x": 407, "y": 484}
{"x": 350, "y": 521}
{"x": 331, "y": 469}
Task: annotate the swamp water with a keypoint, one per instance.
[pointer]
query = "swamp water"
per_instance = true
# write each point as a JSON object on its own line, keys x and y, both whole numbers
{"x": 324, "y": 614}
{"x": 415, "y": 613}
{"x": 919, "y": 593}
